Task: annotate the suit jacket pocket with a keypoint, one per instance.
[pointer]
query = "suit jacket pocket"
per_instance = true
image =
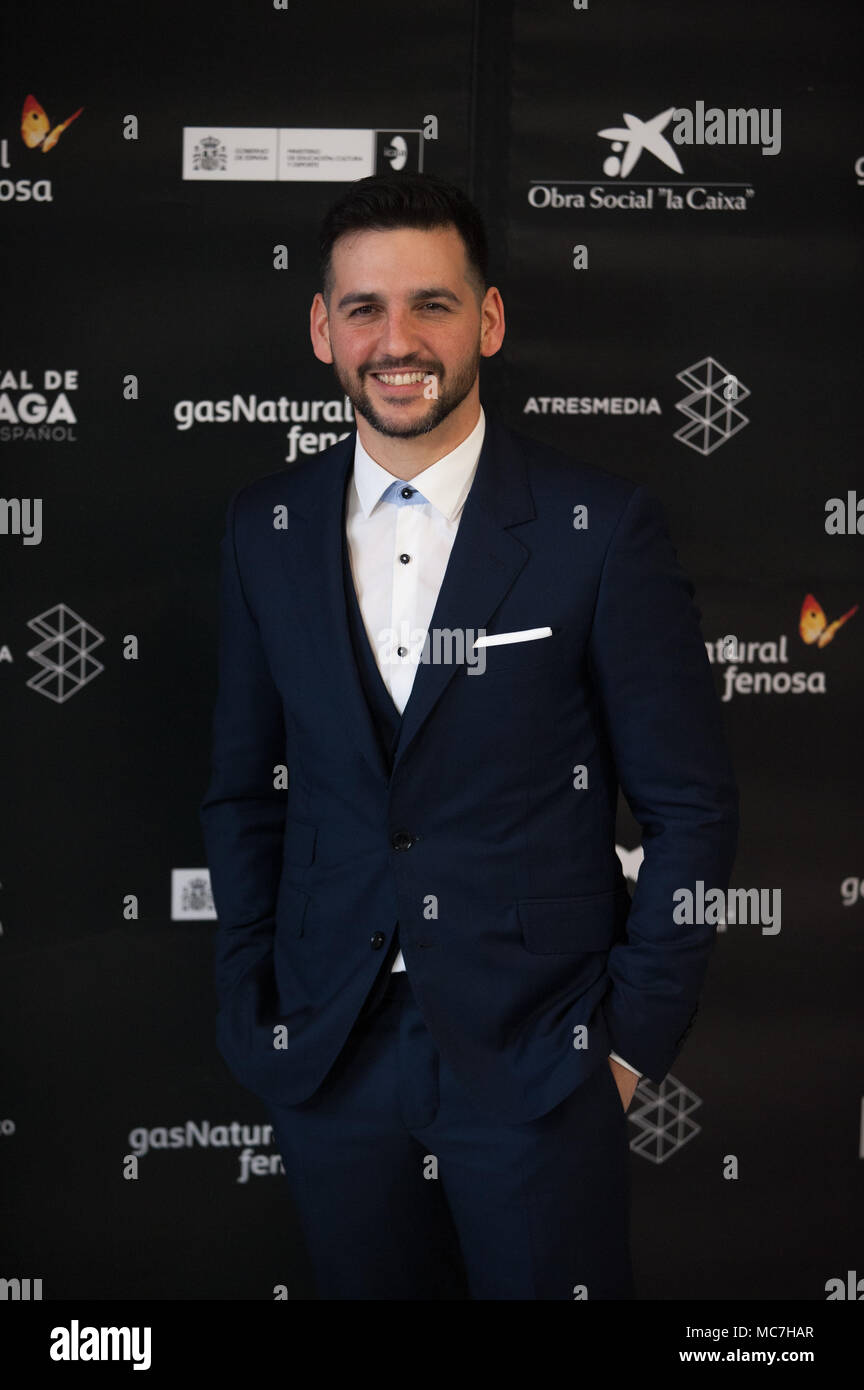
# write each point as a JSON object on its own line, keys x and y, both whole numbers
{"x": 523, "y": 658}
{"x": 573, "y": 926}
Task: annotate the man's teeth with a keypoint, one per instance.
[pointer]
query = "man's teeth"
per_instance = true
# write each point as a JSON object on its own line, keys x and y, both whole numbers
{"x": 401, "y": 378}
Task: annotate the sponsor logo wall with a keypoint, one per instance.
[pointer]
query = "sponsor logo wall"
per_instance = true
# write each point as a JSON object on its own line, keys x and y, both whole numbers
{"x": 674, "y": 233}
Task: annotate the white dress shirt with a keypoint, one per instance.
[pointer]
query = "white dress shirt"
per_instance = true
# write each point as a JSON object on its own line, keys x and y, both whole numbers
{"x": 399, "y": 547}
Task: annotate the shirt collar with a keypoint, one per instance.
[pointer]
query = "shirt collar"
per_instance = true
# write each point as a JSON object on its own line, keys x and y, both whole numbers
{"x": 444, "y": 483}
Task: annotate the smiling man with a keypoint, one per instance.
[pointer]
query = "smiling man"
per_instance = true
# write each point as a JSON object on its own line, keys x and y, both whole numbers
{"x": 373, "y": 339}
{"x": 427, "y": 962}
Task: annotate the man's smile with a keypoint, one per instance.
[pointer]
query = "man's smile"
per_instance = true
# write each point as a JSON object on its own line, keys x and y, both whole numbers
{"x": 400, "y": 381}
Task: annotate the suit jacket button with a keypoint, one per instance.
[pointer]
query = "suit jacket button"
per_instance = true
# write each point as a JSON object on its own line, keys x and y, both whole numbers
{"x": 377, "y": 940}
{"x": 402, "y": 839}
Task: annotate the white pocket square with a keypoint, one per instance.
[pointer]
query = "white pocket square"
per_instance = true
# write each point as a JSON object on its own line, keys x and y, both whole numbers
{"x": 528, "y": 634}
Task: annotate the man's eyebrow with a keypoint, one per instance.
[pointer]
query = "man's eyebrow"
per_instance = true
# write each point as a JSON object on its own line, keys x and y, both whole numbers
{"x": 359, "y": 297}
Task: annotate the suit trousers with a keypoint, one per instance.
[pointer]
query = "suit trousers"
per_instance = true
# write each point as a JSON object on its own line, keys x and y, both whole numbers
{"x": 405, "y": 1189}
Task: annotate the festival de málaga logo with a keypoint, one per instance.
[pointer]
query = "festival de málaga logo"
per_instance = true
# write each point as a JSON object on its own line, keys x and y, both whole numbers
{"x": 772, "y": 656}
{"x": 38, "y": 404}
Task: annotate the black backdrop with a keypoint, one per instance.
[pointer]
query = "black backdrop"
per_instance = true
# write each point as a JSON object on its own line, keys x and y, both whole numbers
{"x": 163, "y": 294}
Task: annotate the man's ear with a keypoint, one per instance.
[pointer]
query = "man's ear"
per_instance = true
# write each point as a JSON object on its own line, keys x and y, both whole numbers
{"x": 493, "y": 322}
{"x": 319, "y": 329}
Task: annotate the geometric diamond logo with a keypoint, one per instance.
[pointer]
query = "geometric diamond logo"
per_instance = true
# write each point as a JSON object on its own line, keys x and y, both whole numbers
{"x": 711, "y": 406}
{"x": 662, "y": 1118}
{"x": 64, "y": 653}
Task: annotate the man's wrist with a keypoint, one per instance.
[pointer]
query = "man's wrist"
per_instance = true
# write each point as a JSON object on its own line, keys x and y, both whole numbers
{"x": 620, "y": 1060}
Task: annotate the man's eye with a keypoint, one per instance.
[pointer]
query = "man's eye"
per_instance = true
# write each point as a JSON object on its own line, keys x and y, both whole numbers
{"x": 431, "y": 305}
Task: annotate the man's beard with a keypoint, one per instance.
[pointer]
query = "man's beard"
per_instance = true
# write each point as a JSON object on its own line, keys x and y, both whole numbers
{"x": 450, "y": 395}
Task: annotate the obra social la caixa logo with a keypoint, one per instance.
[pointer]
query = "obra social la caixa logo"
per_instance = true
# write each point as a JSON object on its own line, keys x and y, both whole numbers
{"x": 657, "y": 138}
{"x": 39, "y": 137}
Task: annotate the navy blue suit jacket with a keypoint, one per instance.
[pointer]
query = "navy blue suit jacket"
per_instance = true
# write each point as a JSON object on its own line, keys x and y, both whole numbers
{"x": 513, "y": 914}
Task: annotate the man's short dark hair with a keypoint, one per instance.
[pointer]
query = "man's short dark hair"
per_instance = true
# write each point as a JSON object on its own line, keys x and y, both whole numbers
{"x": 383, "y": 202}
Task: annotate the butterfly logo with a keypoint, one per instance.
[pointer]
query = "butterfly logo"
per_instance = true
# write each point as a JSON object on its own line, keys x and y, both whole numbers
{"x": 814, "y": 626}
{"x": 36, "y": 127}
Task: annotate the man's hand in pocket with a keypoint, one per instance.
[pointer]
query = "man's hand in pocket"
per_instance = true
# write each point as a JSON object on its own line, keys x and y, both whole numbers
{"x": 625, "y": 1080}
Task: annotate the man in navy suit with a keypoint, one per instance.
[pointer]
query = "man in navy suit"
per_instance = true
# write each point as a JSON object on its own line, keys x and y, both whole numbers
{"x": 443, "y": 648}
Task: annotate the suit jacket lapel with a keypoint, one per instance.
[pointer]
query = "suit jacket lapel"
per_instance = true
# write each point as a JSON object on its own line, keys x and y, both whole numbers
{"x": 483, "y": 565}
{"x": 313, "y": 559}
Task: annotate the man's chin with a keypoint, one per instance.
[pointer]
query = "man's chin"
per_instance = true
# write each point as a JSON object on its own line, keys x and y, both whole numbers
{"x": 395, "y": 425}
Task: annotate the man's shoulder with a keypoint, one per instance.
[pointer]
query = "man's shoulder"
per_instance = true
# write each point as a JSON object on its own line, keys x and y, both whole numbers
{"x": 297, "y": 486}
{"x": 555, "y": 474}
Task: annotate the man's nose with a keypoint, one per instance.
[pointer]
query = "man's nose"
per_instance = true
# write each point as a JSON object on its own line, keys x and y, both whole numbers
{"x": 398, "y": 338}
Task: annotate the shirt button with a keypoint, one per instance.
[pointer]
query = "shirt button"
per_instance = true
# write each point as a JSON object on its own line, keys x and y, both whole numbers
{"x": 402, "y": 839}
{"x": 376, "y": 941}
{"x": 405, "y": 559}
{"x": 406, "y": 492}
{"x": 401, "y": 651}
